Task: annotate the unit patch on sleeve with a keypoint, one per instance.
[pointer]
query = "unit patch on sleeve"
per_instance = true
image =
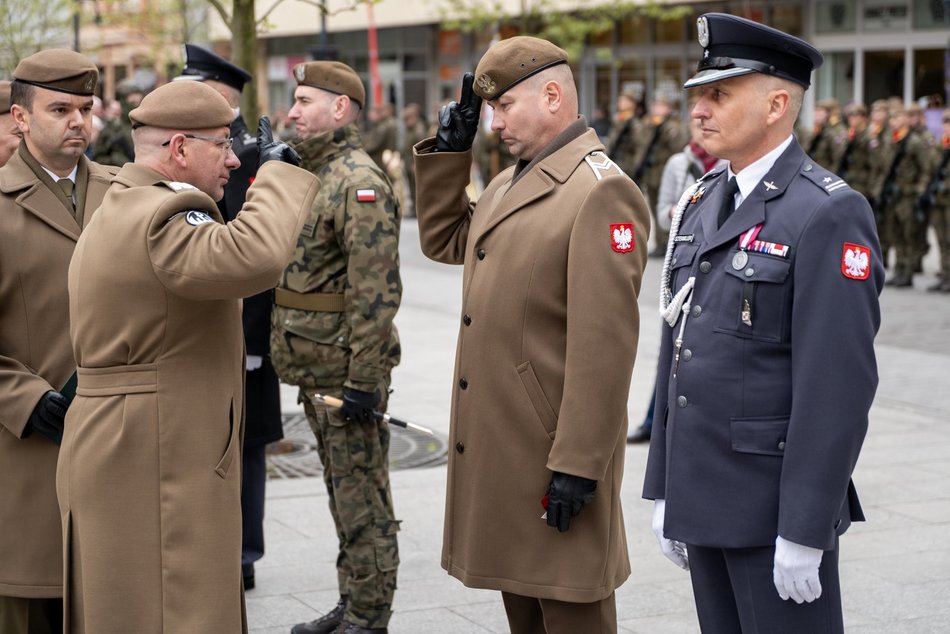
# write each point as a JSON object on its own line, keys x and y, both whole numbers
{"x": 855, "y": 261}
{"x": 621, "y": 237}
{"x": 365, "y": 195}
{"x": 196, "y": 218}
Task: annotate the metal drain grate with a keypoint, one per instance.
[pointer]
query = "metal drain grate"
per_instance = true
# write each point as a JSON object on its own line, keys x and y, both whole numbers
{"x": 296, "y": 455}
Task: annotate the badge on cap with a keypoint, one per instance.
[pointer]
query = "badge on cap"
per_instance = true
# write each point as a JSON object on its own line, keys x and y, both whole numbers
{"x": 486, "y": 84}
{"x": 702, "y": 27}
{"x": 90, "y": 83}
{"x": 195, "y": 218}
{"x": 300, "y": 72}
{"x": 365, "y": 195}
{"x": 621, "y": 237}
{"x": 855, "y": 261}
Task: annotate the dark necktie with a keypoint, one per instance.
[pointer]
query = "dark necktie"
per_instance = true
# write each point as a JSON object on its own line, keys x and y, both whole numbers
{"x": 728, "y": 200}
{"x": 67, "y": 186}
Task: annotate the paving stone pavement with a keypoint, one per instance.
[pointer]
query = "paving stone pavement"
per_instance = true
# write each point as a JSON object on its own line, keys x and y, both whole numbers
{"x": 895, "y": 568}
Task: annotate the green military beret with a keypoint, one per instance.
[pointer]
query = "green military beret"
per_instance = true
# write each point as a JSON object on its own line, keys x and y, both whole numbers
{"x": 335, "y": 77}
{"x": 4, "y": 96}
{"x": 512, "y": 61}
{"x": 183, "y": 105}
{"x": 59, "y": 69}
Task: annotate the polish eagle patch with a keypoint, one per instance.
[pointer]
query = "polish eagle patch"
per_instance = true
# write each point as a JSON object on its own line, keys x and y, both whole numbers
{"x": 855, "y": 261}
{"x": 621, "y": 237}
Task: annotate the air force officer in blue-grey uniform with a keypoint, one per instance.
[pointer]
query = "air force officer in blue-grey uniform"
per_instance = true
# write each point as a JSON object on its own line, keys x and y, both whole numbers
{"x": 767, "y": 369}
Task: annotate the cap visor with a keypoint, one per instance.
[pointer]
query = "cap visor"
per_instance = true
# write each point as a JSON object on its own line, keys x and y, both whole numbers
{"x": 713, "y": 74}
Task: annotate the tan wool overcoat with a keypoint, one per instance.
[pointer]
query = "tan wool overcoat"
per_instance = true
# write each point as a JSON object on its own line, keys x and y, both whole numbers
{"x": 149, "y": 472}
{"x": 37, "y": 238}
{"x": 546, "y": 346}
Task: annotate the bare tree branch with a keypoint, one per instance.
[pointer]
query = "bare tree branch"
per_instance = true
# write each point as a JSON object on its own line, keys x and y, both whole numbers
{"x": 222, "y": 11}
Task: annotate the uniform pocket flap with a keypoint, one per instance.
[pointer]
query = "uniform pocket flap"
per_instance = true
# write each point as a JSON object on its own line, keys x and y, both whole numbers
{"x": 760, "y": 268}
{"x": 764, "y": 436}
{"x": 683, "y": 255}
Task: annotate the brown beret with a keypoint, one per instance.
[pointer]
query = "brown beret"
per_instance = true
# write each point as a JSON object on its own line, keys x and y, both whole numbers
{"x": 183, "y": 105}
{"x": 512, "y": 61}
{"x": 59, "y": 69}
{"x": 4, "y": 96}
{"x": 335, "y": 77}
{"x": 856, "y": 108}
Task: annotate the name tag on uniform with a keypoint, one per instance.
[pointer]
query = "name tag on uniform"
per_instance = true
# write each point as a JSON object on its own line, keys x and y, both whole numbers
{"x": 684, "y": 238}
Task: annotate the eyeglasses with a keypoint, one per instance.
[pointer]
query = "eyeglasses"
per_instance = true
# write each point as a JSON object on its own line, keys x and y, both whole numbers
{"x": 222, "y": 142}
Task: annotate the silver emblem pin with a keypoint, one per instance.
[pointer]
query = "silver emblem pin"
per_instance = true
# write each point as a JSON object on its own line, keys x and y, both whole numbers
{"x": 739, "y": 260}
{"x": 702, "y": 28}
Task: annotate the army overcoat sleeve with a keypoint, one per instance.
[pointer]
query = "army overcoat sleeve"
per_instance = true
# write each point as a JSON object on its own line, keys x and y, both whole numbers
{"x": 443, "y": 207}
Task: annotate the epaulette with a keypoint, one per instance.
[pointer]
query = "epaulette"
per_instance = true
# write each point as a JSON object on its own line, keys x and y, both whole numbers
{"x": 178, "y": 186}
{"x": 822, "y": 178}
{"x": 599, "y": 162}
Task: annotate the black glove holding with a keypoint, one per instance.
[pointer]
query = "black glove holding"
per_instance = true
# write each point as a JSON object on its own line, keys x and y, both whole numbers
{"x": 270, "y": 150}
{"x": 567, "y": 494}
{"x": 48, "y": 416}
{"x": 358, "y": 405}
{"x": 458, "y": 121}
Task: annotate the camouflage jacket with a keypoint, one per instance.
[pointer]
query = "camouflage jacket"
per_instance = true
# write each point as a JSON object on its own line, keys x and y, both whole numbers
{"x": 864, "y": 162}
{"x": 670, "y": 137}
{"x": 348, "y": 246}
{"x": 828, "y": 144}
{"x": 113, "y": 146}
{"x": 623, "y": 144}
{"x": 910, "y": 163}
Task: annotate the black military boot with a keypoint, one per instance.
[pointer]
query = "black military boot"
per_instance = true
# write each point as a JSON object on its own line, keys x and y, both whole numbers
{"x": 352, "y": 628}
{"x": 326, "y": 624}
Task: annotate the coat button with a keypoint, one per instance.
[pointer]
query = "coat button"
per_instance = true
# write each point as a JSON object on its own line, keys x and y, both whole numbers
{"x": 705, "y": 267}
{"x": 687, "y": 355}
{"x": 781, "y": 445}
{"x": 697, "y": 311}
{"x": 481, "y": 254}
{"x": 749, "y": 272}
{"x": 463, "y": 383}
{"x": 681, "y": 401}
{"x": 467, "y": 320}
{"x": 459, "y": 447}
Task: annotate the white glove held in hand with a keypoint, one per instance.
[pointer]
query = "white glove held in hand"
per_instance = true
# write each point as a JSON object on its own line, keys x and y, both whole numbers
{"x": 796, "y": 571}
{"x": 675, "y": 551}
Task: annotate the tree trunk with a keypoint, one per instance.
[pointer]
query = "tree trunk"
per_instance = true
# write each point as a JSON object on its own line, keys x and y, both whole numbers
{"x": 244, "y": 54}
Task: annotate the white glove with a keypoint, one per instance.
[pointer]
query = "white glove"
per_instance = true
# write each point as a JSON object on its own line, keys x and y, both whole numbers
{"x": 796, "y": 571}
{"x": 253, "y": 362}
{"x": 675, "y": 551}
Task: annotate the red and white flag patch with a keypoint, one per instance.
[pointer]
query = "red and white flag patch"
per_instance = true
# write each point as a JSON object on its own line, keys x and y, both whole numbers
{"x": 365, "y": 195}
{"x": 855, "y": 261}
{"x": 621, "y": 237}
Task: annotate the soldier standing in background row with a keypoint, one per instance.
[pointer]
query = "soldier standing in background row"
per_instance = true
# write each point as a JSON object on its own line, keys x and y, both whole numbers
{"x": 918, "y": 125}
{"x": 909, "y": 167}
{"x": 10, "y": 134}
{"x": 333, "y": 333}
{"x": 624, "y": 142}
{"x": 48, "y": 193}
{"x": 829, "y": 136}
{"x": 862, "y": 162}
{"x": 878, "y": 130}
{"x": 663, "y": 135}
{"x": 415, "y": 132}
{"x": 381, "y": 133}
{"x": 262, "y": 423}
{"x": 939, "y": 207}
{"x": 114, "y": 144}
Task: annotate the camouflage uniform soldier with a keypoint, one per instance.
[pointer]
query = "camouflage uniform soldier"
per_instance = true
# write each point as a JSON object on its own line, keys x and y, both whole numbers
{"x": 908, "y": 174}
{"x": 381, "y": 134}
{"x": 880, "y": 143}
{"x": 623, "y": 142}
{"x": 862, "y": 162}
{"x": 918, "y": 125}
{"x": 114, "y": 144}
{"x": 830, "y": 136}
{"x": 663, "y": 136}
{"x": 940, "y": 208}
{"x": 332, "y": 333}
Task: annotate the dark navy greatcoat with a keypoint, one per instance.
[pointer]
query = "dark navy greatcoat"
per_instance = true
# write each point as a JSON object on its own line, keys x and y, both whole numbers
{"x": 762, "y": 424}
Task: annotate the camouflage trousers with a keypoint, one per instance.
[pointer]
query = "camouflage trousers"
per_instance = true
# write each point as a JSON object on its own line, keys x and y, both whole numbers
{"x": 906, "y": 236}
{"x": 940, "y": 219}
{"x": 355, "y": 459}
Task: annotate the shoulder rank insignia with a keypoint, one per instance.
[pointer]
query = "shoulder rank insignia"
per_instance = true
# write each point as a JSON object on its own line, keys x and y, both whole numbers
{"x": 855, "y": 261}
{"x": 195, "y": 218}
{"x": 599, "y": 163}
{"x": 621, "y": 237}
{"x": 179, "y": 186}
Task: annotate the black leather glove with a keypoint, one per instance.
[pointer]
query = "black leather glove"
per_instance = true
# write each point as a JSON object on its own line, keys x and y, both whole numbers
{"x": 567, "y": 494}
{"x": 270, "y": 150}
{"x": 458, "y": 121}
{"x": 47, "y": 417}
{"x": 358, "y": 405}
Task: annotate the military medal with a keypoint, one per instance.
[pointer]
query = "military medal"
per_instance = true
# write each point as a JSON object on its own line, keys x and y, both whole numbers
{"x": 739, "y": 260}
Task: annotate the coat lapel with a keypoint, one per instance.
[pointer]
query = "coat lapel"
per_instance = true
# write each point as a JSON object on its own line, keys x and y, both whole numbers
{"x": 752, "y": 210}
{"x": 34, "y": 196}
